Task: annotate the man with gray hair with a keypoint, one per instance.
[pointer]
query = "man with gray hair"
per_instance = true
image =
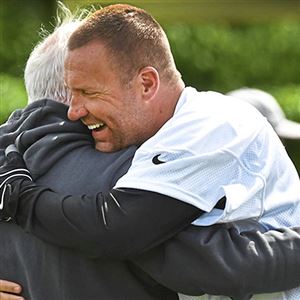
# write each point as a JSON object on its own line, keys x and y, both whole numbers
{"x": 47, "y": 59}
{"x": 56, "y": 149}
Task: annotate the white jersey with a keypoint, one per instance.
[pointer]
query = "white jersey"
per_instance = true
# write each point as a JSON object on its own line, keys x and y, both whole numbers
{"x": 217, "y": 146}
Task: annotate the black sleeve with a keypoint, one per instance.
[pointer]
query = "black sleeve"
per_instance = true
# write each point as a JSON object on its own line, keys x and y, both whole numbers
{"x": 219, "y": 260}
{"x": 119, "y": 224}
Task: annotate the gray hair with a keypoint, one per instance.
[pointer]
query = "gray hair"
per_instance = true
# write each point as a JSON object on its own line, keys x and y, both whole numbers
{"x": 45, "y": 66}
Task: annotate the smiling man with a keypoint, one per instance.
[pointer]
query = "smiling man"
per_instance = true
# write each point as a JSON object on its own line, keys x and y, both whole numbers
{"x": 219, "y": 155}
{"x": 131, "y": 95}
{"x": 111, "y": 106}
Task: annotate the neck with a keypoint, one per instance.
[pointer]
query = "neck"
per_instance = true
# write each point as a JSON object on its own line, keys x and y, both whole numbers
{"x": 165, "y": 104}
{"x": 169, "y": 98}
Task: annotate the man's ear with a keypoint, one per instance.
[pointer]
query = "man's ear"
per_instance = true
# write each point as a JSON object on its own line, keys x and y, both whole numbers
{"x": 149, "y": 82}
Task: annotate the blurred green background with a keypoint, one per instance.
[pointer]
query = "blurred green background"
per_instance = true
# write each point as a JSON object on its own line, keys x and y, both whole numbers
{"x": 218, "y": 45}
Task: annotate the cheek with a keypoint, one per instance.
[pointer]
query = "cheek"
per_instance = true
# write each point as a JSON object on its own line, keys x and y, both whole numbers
{"x": 131, "y": 116}
{"x": 133, "y": 125}
{"x": 97, "y": 109}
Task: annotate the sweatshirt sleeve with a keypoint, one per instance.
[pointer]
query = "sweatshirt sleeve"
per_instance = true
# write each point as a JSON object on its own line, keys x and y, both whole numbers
{"x": 220, "y": 260}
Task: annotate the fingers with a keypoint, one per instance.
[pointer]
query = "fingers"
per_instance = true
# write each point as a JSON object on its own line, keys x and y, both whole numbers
{"x": 14, "y": 159}
{"x": 4, "y": 296}
{"x": 11, "y": 149}
{"x": 7, "y": 287}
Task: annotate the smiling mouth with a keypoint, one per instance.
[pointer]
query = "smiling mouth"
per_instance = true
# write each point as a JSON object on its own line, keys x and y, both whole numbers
{"x": 96, "y": 127}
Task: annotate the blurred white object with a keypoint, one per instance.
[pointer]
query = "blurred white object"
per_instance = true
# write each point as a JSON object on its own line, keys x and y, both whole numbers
{"x": 267, "y": 105}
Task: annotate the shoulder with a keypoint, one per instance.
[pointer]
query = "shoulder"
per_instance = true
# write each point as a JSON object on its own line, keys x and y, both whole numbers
{"x": 205, "y": 122}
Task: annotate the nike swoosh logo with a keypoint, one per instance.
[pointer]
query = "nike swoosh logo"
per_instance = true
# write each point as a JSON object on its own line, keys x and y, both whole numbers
{"x": 156, "y": 160}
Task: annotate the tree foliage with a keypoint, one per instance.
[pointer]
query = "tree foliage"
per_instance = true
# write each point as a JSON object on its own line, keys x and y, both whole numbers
{"x": 224, "y": 57}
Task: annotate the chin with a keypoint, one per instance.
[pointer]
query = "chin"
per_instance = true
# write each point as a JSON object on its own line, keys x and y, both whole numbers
{"x": 103, "y": 147}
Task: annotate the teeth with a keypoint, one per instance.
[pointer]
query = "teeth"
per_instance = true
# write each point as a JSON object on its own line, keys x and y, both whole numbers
{"x": 95, "y": 126}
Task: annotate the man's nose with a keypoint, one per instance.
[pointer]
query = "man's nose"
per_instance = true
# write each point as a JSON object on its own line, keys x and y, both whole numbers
{"x": 76, "y": 109}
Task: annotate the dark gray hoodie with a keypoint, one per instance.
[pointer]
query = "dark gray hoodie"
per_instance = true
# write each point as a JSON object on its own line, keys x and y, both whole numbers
{"x": 63, "y": 157}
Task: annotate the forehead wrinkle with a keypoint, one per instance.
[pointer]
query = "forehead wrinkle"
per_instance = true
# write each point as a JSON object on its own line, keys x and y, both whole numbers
{"x": 87, "y": 70}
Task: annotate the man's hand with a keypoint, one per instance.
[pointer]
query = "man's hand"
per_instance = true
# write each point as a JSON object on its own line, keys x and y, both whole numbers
{"x": 10, "y": 290}
{"x": 13, "y": 169}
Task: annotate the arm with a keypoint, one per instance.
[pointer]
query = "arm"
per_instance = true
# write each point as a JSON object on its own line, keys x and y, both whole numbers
{"x": 119, "y": 224}
{"x": 221, "y": 261}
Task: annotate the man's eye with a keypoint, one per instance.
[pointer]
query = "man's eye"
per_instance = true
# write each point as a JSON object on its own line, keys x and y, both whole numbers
{"x": 86, "y": 93}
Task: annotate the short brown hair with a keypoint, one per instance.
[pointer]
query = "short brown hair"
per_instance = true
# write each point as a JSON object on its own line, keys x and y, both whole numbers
{"x": 134, "y": 39}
